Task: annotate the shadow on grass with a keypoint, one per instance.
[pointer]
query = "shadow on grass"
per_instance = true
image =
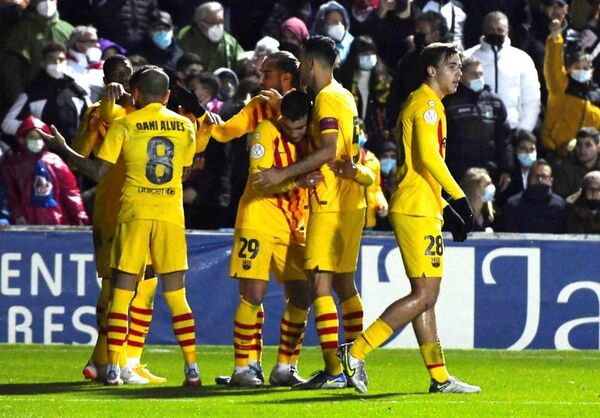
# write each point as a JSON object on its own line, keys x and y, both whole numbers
{"x": 41, "y": 388}
{"x": 339, "y": 396}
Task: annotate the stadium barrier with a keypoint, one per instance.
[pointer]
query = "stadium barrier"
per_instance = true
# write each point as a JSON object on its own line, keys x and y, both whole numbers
{"x": 505, "y": 291}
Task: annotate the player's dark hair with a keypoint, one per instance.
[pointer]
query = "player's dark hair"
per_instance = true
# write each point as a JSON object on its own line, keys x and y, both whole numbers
{"x": 295, "y": 105}
{"x": 113, "y": 62}
{"x": 135, "y": 78}
{"x": 288, "y": 63}
{"x": 153, "y": 83}
{"x": 435, "y": 54}
{"x": 321, "y": 48}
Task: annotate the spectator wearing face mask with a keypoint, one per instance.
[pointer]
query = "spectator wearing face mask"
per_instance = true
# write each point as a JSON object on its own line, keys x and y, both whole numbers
{"x": 509, "y": 72}
{"x": 387, "y": 167}
{"x": 22, "y": 57}
{"x": 478, "y": 133}
{"x": 42, "y": 189}
{"x": 228, "y": 83}
{"x": 159, "y": 46}
{"x": 430, "y": 27}
{"x": 333, "y": 20}
{"x": 206, "y": 37}
{"x": 52, "y": 96}
{"x": 573, "y": 97}
{"x": 537, "y": 208}
{"x": 84, "y": 59}
{"x": 569, "y": 171}
{"x": 525, "y": 154}
{"x": 480, "y": 191}
{"x": 366, "y": 76}
{"x": 583, "y": 207}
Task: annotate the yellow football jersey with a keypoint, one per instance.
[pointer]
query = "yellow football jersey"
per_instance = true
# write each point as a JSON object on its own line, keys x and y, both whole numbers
{"x": 155, "y": 144}
{"x": 335, "y": 111}
{"x": 281, "y": 213}
{"x": 422, "y": 172}
{"x": 95, "y": 124}
{"x": 245, "y": 121}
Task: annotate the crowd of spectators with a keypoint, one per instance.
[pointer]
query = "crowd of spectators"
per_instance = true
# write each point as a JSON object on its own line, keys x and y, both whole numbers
{"x": 523, "y": 127}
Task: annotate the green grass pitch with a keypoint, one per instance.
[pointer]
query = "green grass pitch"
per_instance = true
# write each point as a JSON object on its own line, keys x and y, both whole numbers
{"x": 40, "y": 381}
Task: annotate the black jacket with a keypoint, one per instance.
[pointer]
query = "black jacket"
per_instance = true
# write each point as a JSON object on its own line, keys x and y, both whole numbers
{"x": 527, "y": 213}
{"x": 478, "y": 133}
{"x": 165, "y": 58}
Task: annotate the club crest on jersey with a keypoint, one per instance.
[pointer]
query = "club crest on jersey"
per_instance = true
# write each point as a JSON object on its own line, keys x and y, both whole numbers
{"x": 257, "y": 151}
{"x": 246, "y": 264}
{"x": 430, "y": 116}
{"x": 436, "y": 261}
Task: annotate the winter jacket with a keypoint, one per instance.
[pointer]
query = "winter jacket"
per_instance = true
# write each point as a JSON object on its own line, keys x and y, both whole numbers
{"x": 580, "y": 218}
{"x": 343, "y": 46}
{"x": 568, "y": 174}
{"x": 165, "y": 58}
{"x": 43, "y": 190}
{"x": 571, "y": 105}
{"x": 478, "y": 133}
{"x": 59, "y": 102}
{"x": 511, "y": 74}
{"x": 123, "y": 21}
{"x": 527, "y": 213}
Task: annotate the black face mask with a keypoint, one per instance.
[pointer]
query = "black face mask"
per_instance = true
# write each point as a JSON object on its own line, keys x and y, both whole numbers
{"x": 420, "y": 41}
{"x": 494, "y": 39}
{"x": 537, "y": 191}
{"x": 594, "y": 204}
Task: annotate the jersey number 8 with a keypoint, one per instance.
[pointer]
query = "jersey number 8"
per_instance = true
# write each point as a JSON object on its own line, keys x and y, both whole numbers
{"x": 160, "y": 153}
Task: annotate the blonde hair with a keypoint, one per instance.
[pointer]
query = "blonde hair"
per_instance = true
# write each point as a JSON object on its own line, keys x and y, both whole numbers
{"x": 471, "y": 182}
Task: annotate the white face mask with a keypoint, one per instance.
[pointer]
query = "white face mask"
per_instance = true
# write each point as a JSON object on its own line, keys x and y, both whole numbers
{"x": 582, "y": 76}
{"x": 35, "y": 145}
{"x": 93, "y": 54}
{"x": 56, "y": 70}
{"x": 46, "y": 8}
{"x": 367, "y": 62}
{"x": 488, "y": 193}
{"x": 336, "y": 32}
{"x": 215, "y": 33}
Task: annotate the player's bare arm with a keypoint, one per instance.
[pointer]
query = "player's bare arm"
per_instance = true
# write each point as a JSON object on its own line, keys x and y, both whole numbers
{"x": 92, "y": 168}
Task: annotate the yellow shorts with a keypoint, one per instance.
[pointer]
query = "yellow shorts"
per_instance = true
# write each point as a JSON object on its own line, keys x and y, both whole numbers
{"x": 421, "y": 244}
{"x": 333, "y": 240}
{"x": 134, "y": 240}
{"x": 255, "y": 254}
{"x": 103, "y": 237}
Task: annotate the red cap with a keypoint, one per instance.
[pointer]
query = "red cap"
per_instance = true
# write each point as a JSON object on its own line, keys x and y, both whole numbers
{"x": 31, "y": 122}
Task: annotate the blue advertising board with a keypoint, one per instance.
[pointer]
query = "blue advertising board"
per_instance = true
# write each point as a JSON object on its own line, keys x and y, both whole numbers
{"x": 499, "y": 291}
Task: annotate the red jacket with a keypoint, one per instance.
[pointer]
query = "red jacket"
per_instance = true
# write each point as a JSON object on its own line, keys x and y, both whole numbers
{"x": 22, "y": 176}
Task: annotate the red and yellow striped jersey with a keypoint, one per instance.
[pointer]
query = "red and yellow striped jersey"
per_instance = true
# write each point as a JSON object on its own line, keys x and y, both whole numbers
{"x": 245, "y": 121}
{"x": 280, "y": 211}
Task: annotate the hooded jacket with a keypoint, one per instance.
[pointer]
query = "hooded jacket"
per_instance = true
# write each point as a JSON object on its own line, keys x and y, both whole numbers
{"x": 343, "y": 46}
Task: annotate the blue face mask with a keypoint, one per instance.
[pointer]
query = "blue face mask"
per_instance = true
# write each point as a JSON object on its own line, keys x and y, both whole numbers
{"x": 476, "y": 85}
{"x": 162, "y": 39}
{"x": 388, "y": 165}
{"x": 362, "y": 140}
{"x": 526, "y": 159}
{"x": 581, "y": 76}
{"x": 488, "y": 193}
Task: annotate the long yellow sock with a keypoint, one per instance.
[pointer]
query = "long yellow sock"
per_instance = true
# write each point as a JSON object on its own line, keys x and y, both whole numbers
{"x": 140, "y": 314}
{"x": 99, "y": 355}
{"x": 244, "y": 328}
{"x": 352, "y": 315}
{"x": 373, "y": 337}
{"x": 184, "y": 325}
{"x": 256, "y": 345}
{"x": 433, "y": 357}
{"x": 326, "y": 319}
{"x": 291, "y": 330}
{"x": 117, "y": 322}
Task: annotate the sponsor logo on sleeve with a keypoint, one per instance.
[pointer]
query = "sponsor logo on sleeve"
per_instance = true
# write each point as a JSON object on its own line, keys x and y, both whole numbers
{"x": 257, "y": 151}
{"x": 430, "y": 116}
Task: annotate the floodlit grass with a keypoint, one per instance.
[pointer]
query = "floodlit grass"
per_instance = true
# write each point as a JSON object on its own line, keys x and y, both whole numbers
{"x": 40, "y": 381}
